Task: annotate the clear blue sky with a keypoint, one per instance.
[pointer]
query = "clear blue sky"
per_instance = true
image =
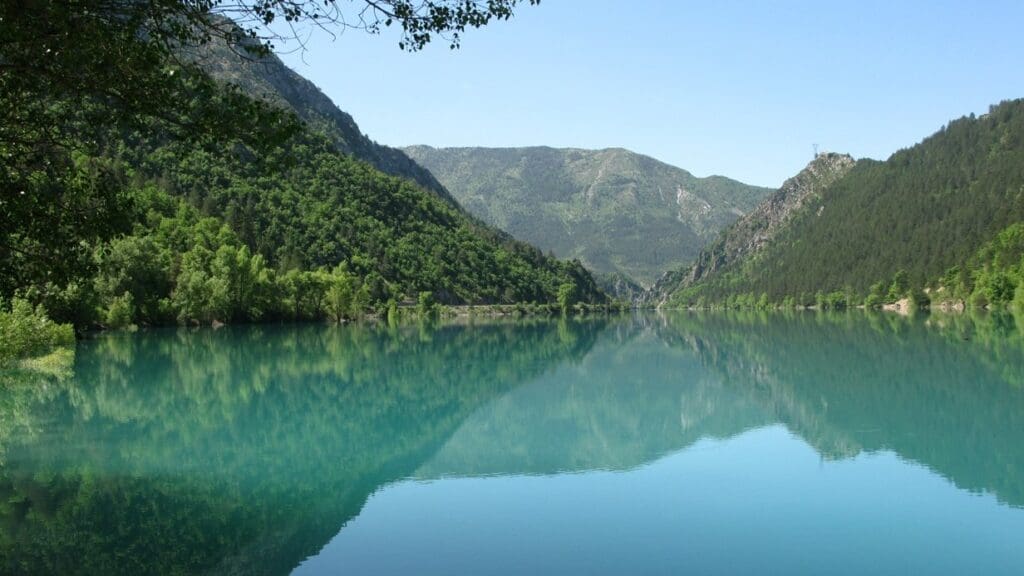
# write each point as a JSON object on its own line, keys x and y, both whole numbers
{"x": 742, "y": 89}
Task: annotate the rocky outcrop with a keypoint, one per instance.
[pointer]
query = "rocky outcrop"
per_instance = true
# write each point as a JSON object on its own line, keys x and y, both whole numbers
{"x": 619, "y": 286}
{"x": 752, "y": 232}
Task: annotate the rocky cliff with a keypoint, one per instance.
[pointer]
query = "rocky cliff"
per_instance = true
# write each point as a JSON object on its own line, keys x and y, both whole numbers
{"x": 755, "y": 230}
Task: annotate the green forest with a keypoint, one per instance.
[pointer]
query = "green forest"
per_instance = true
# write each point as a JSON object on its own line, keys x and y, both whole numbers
{"x": 938, "y": 222}
{"x": 216, "y": 237}
{"x": 139, "y": 190}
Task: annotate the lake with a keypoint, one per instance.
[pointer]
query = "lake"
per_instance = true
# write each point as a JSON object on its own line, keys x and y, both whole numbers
{"x": 651, "y": 444}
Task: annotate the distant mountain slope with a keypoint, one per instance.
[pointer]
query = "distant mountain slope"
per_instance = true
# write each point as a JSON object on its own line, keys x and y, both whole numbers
{"x": 619, "y": 286}
{"x": 615, "y": 210}
{"x": 269, "y": 79}
{"x": 924, "y": 210}
{"x": 754, "y": 231}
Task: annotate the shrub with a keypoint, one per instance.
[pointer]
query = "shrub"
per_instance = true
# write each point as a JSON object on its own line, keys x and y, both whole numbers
{"x": 26, "y": 332}
{"x": 425, "y": 304}
{"x": 120, "y": 312}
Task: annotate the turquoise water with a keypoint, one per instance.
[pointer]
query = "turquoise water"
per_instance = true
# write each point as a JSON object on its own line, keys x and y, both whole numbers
{"x": 698, "y": 444}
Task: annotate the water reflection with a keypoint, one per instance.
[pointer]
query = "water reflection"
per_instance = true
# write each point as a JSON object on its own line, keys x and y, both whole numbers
{"x": 245, "y": 450}
{"x": 944, "y": 391}
{"x": 241, "y": 450}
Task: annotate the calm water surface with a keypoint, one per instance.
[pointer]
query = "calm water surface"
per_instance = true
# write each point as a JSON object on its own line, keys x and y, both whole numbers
{"x": 698, "y": 444}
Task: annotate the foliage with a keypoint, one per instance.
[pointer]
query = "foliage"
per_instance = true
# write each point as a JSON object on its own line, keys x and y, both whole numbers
{"x": 744, "y": 239}
{"x": 26, "y": 331}
{"x": 340, "y": 297}
{"x": 566, "y": 296}
{"x": 994, "y": 274}
{"x": 308, "y": 234}
{"x": 899, "y": 287}
{"x": 71, "y": 75}
{"x": 907, "y": 221}
{"x": 180, "y": 266}
{"x": 106, "y": 106}
{"x": 120, "y": 312}
{"x": 425, "y": 304}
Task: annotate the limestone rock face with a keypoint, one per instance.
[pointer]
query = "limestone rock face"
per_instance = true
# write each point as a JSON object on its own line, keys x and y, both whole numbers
{"x": 752, "y": 232}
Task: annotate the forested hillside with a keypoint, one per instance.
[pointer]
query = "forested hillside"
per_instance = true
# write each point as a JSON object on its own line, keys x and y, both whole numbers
{"x": 305, "y": 233}
{"x": 750, "y": 234}
{"x": 893, "y": 229}
{"x": 615, "y": 210}
{"x": 267, "y": 78}
{"x": 195, "y": 202}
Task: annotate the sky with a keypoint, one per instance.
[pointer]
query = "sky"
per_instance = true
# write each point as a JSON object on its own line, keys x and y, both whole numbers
{"x": 739, "y": 89}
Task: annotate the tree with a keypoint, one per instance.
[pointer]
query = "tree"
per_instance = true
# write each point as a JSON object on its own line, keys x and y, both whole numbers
{"x": 425, "y": 304}
{"x": 360, "y": 301}
{"x": 120, "y": 312}
{"x": 899, "y": 287}
{"x": 135, "y": 266}
{"x": 999, "y": 288}
{"x": 876, "y": 295}
{"x": 1018, "y": 298}
{"x": 763, "y": 303}
{"x": 52, "y": 206}
{"x": 339, "y": 296}
{"x": 77, "y": 75}
{"x": 566, "y": 296}
{"x": 131, "y": 57}
{"x": 27, "y": 331}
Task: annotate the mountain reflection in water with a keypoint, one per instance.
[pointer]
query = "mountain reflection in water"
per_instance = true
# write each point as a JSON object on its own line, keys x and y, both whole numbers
{"x": 245, "y": 450}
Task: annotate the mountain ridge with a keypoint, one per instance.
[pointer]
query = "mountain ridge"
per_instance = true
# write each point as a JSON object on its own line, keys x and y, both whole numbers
{"x": 270, "y": 79}
{"x": 912, "y": 226}
{"x": 616, "y": 210}
{"x": 744, "y": 238}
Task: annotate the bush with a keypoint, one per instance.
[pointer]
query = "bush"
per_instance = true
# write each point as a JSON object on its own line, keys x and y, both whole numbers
{"x": 120, "y": 312}
{"x": 874, "y": 301}
{"x": 835, "y": 301}
{"x": 918, "y": 299}
{"x": 425, "y": 304}
{"x": 1018, "y": 298}
{"x": 26, "y": 332}
{"x": 1000, "y": 288}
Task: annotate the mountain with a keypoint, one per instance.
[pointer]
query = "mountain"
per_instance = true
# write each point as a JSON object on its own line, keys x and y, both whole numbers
{"x": 267, "y": 78}
{"x": 922, "y": 221}
{"x": 310, "y": 227}
{"x": 615, "y": 210}
{"x": 619, "y": 286}
{"x": 751, "y": 233}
